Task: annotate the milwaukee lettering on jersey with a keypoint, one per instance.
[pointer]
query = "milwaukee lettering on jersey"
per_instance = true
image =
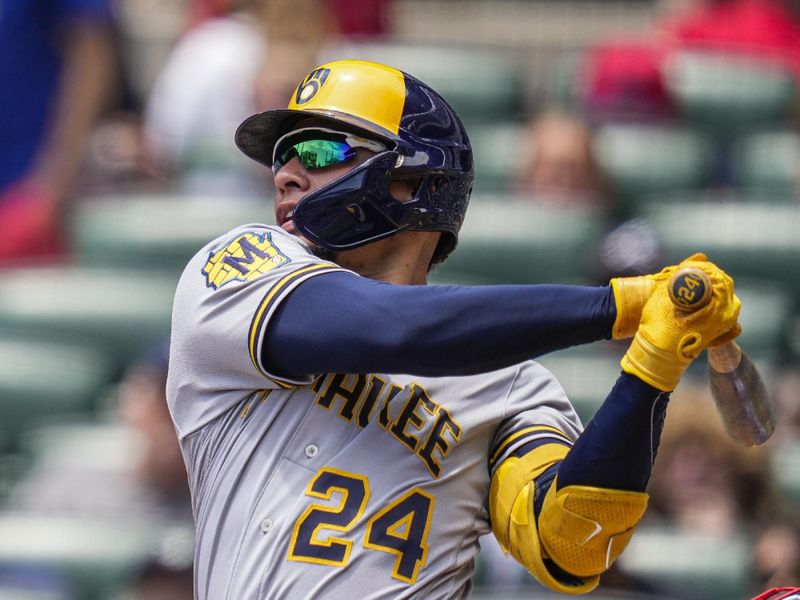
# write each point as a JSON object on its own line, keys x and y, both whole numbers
{"x": 408, "y": 414}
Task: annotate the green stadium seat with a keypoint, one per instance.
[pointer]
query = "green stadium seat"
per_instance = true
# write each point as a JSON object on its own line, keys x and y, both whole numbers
{"x": 497, "y": 151}
{"x": 689, "y": 565}
{"x": 768, "y": 164}
{"x": 752, "y": 241}
{"x": 122, "y": 312}
{"x": 482, "y": 84}
{"x": 643, "y": 159}
{"x": 156, "y": 232}
{"x": 95, "y": 555}
{"x": 766, "y": 311}
{"x": 10, "y": 592}
{"x": 587, "y": 374}
{"x": 42, "y": 381}
{"x": 513, "y": 241}
{"x": 84, "y": 444}
{"x": 562, "y": 87}
{"x": 726, "y": 93}
{"x": 785, "y": 468}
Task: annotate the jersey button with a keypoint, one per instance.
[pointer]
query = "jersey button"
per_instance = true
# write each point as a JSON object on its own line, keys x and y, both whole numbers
{"x": 312, "y": 450}
{"x": 266, "y": 525}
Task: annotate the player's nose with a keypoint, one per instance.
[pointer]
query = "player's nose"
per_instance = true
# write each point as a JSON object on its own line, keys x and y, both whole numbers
{"x": 292, "y": 176}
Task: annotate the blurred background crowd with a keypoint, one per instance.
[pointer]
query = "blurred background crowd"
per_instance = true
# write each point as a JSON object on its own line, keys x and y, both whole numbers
{"x": 611, "y": 137}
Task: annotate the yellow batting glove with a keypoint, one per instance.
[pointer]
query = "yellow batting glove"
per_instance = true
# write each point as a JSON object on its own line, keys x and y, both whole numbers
{"x": 668, "y": 339}
{"x": 631, "y": 293}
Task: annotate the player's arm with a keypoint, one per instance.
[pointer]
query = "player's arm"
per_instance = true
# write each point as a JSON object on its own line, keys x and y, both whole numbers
{"x": 568, "y": 513}
{"x": 343, "y": 323}
{"x": 340, "y": 322}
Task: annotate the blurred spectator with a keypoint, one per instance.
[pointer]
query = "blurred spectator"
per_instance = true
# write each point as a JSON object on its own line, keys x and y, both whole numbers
{"x": 361, "y": 18}
{"x": 143, "y": 408}
{"x": 560, "y": 166}
{"x": 151, "y": 481}
{"x": 56, "y": 71}
{"x": 703, "y": 481}
{"x": 558, "y": 163}
{"x": 777, "y": 554}
{"x": 222, "y": 71}
{"x": 623, "y": 78}
{"x": 355, "y": 18}
{"x": 786, "y": 394}
{"x": 116, "y": 157}
{"x": 156, "y": 581}
{"x": 763, "y": 28}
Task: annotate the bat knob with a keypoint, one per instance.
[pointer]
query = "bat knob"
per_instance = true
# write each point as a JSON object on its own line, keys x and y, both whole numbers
{"x": 689, "y": 289}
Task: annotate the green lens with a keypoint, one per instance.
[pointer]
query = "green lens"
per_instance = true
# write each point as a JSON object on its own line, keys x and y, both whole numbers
{"x": 318, "y": 154}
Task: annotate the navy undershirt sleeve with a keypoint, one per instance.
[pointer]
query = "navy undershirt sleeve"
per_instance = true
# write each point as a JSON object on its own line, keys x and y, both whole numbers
{"x": 618, "y": 446}
{"x": 342, "y": 323}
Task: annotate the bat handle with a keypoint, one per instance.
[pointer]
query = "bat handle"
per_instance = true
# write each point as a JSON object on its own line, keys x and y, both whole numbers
{"x": 690, "y": 289}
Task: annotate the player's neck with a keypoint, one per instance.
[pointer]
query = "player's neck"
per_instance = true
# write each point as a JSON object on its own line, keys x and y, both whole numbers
{"x": 402, "y": 259}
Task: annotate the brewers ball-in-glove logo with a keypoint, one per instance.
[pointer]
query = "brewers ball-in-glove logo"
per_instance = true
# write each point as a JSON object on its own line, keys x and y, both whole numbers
{"x": 311, "y": 85}
{"x": 244, "y": 258}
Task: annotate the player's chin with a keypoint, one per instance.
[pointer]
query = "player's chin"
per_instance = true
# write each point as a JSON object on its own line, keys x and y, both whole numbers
{"x": 289, "y": 227}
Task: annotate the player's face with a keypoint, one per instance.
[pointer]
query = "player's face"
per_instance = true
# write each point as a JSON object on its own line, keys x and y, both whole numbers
{"x": 311, "y": 157}
{"x": 308, "y": 159}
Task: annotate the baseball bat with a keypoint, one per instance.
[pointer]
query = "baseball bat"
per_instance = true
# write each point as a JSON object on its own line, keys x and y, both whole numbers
{"x": 739, "y": 393}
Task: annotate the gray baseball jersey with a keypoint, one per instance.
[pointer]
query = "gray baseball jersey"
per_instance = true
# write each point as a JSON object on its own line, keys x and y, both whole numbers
{"x": 334, "y": 485}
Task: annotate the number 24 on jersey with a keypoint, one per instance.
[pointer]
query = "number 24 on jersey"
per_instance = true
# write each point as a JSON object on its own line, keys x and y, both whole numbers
{"x": 399, "y": 528}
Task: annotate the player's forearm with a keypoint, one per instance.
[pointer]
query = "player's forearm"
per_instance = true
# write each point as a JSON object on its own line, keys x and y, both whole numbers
{"x": 571, "y": 518}
{"x": 618, "y": 446}
{"x": 342, "y": 323}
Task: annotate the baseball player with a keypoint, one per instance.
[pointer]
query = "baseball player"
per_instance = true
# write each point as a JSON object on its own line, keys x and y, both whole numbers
{"x": 351, "y": 432}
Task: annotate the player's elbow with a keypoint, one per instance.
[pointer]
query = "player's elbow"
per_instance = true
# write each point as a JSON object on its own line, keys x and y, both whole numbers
{"x": 584, "y": 529}
{"x": 576, "y": 536}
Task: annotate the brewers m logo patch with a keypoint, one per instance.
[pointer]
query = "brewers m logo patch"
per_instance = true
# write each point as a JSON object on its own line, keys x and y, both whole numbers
{"x": 244, "y": 258}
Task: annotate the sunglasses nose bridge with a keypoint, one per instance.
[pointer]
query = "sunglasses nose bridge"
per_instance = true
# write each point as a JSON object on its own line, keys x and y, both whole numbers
{"x": 291, "y": 174}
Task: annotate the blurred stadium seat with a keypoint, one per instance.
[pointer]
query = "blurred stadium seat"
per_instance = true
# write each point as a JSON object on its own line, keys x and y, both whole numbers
{"x": 95, "y": 556}
{"x": 121, "y": 312}
{"x": 767, "y": 163}
{"x": 496, "y": 148}
{"x": 84, "y": 444}
{"x": 482, "y": 83}
{"x": 587, "y": 374}
{"x": 689, "y": 565}
{"x": 785, "y": 467}
{"x": 513, "y": 241}
{"x": 14, "y": 593}
{"x": 726, "y": 93}
{"x": 42, "y": 381}
{"x": 642, "y": 159}
{"x": 750, "y": 240}
{"x": 157, "y": 232}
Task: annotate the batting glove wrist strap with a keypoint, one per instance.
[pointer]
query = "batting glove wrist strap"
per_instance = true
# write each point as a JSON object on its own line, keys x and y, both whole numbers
{"x": 655, "y": 366}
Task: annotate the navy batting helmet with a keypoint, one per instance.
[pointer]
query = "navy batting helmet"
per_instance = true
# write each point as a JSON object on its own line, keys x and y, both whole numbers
{"x": 424, "y": 141}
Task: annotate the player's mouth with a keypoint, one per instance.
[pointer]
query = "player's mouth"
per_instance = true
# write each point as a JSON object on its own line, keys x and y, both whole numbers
{"x": 284, "y": 217}
{"x": 288, "y": 224}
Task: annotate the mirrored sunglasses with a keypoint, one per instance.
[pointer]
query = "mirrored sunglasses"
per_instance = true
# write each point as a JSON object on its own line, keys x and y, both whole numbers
{"x": 317, "y": 148}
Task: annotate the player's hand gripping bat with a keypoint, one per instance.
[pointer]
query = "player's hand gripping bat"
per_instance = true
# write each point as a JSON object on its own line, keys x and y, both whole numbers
{"x": 739, "y": 392}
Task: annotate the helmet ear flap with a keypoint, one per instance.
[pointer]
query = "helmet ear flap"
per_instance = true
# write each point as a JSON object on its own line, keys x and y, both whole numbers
{"x": 355, "y": 209}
